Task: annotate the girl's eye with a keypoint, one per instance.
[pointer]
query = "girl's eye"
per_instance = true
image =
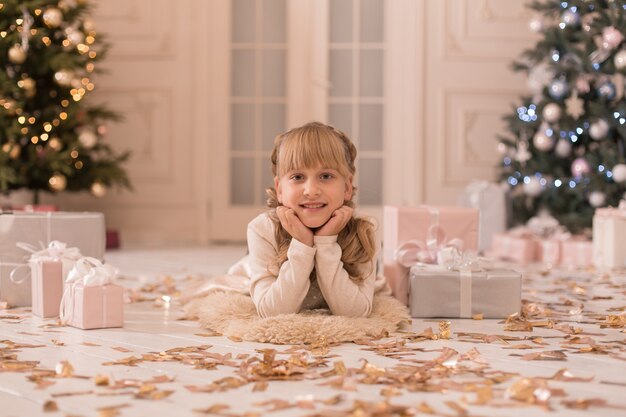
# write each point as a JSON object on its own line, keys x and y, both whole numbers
{"x": 297, "y": 177}
{"x": 327, "y": 176}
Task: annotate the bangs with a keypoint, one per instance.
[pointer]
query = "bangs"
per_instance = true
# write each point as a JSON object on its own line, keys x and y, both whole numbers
{"x": 310, "y": 147}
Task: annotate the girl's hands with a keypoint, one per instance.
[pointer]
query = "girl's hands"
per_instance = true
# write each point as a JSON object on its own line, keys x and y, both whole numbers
{"x": 294, "y": 226}
{"x": 337, "y": 222}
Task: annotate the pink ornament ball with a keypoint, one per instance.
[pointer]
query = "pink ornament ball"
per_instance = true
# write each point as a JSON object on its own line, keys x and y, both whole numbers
{"x": 580, "y": 167}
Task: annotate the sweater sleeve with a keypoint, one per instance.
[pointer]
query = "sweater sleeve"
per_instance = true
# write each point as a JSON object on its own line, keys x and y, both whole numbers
{"x": 344, "y": 296}
{"x": 277, "y": 292}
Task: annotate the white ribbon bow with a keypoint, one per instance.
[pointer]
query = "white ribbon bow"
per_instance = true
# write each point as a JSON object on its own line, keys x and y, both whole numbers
{"x": 88, "y": 272}
{"x": 437, "y": 249}
{"x": 56, "y": 251}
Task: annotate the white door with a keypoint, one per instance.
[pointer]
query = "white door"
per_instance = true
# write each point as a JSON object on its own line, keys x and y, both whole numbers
{"x": 287, "y": 62}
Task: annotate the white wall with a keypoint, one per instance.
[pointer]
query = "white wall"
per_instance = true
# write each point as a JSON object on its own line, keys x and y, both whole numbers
{"x": 450, "y": 83}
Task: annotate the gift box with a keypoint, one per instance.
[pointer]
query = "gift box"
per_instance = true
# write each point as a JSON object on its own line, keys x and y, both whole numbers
{"x": 97, "y": 307}
{"x": 47, "y": 287}
{"x": 609, "y": 237}
{"x": 429, "y": 226}
{"x": 549, "y": 250}
{"x": 490, "y": 200}
{"x": 577, "y": 251}
{"x": 515, "y": 246}
{"x": 440, "y": 292}
{"x": 83, "y": 230}
{"x": 91, "y": 299}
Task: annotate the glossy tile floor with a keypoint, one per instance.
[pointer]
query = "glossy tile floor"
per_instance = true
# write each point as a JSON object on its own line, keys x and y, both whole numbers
{"x": 567, "y": 359}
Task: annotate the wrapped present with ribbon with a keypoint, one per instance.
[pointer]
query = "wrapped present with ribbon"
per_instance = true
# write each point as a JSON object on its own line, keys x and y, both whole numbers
{"x": 518, "y": 245}
{"x": 489, "y": 199}
{"x": 577, "y": 251}
{"x": 91, "y": 299}
{"x": 464, "y": 290}
{"x": 609, "y": 236}
{"x": 425, "y": 234}
{"x": 85, "y": 231}
{"x": 48, "y": 269}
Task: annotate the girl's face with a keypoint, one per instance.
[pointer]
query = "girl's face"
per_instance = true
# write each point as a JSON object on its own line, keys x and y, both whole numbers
{"x": 313, "y": 193}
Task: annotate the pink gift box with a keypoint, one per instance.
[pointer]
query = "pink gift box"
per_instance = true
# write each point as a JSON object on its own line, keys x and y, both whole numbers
{"x": 403, "y": 224}
{"x": 47, "y": 287}
{"x": 97, "y": 307}
{"x": 577, "y": 252}
{"x": 514, "y": 247}
{"x": 549, "y": 250}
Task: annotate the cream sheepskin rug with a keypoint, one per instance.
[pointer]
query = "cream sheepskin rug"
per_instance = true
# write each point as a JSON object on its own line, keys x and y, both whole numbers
{"x": 235, "y": 316}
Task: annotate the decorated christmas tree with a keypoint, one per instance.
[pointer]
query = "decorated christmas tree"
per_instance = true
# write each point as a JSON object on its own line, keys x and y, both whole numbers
{"x": 564, "y": 151}
{"x": 51, "y": 138}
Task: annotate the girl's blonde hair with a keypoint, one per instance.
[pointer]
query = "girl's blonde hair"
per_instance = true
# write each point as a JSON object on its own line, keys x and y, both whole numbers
{"x": 307, "y": 147}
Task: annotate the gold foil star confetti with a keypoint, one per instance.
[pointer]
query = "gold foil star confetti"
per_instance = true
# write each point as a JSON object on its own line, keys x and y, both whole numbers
{"x": 64, "y": 369}
{"x": 444, "y": 329}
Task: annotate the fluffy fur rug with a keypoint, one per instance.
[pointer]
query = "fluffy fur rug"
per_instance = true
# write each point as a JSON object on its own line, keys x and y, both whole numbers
{"x": 235, "y": 316}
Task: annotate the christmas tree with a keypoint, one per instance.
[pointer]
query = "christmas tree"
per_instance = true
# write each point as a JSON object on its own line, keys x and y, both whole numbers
{"x": 565, "y": 149}
{"x": 51, "y": 139}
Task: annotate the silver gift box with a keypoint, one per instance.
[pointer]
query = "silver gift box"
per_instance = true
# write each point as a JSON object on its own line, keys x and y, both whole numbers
{"x": 84, "y": 230}
{"x": 440, "y": 292}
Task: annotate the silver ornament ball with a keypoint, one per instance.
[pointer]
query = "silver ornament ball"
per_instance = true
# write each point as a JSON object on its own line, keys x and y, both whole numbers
{"x": 570, "y": 17}
{"x": 57, "y": 182}
{"x": 620, "y": 59}
{"x": 597, "y": 198}
{"x": 563, "y": 148}
{"x": 64, "y": 77}
{"x": 98, "y": 189}
{"x": 17, "y": 54}
{"x": 619, "y": 173}
{"x": 87, "y": 138}
{"x": 542, "y": 141}
{"x": 53, "y": 17}
{"x": 533, "y": 187}
{"x": 551, "y": 112}
{"x": 599, "y": 129}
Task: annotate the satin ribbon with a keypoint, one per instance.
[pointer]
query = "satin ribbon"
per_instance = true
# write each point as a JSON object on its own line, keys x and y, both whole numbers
{"x": 27, "y": 247}
{"x": 56, "y": 251}
{"x": 435, "y": 249}
{"x": 88, "y": 272}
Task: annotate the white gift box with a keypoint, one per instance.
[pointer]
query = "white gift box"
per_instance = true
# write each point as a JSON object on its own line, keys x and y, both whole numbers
{"x": 440, "y": 292}
{"x": 490, "y": 200}
{"x": 609, "y": 237}
{"x": 84, "y": 230}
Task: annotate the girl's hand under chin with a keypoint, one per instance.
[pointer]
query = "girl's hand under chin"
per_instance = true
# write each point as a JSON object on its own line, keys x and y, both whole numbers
{"x": 337, "y": 222}
{"x": 294, "y": 226}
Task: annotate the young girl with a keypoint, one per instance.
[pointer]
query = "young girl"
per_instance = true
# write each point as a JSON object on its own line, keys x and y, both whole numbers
{"x": 309, "y": 251}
